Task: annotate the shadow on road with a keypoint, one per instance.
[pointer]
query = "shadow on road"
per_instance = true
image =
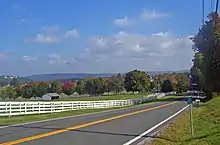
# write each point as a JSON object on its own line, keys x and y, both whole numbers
{"x": 116, "y": 134}
{"x": 171, "y": 99}
{"x": 87, "y": 131}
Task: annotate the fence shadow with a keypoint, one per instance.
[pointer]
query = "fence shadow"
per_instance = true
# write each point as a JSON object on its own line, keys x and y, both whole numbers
{"x": 24, "y": 127}
{"x": 170, "y": 99}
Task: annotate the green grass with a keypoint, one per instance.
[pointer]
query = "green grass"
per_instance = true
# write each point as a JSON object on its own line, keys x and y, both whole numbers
{"x": 31, "y": 118}
{"x": 206, "y": 126}
{"x": 107, "y": 97}
{"x": 3, "y": 88}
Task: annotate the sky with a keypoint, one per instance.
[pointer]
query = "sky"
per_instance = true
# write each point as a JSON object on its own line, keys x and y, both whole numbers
{"x": 97, "y": 36}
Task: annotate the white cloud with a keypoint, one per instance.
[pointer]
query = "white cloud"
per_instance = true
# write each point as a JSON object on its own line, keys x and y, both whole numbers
{"x": 72, "y": 33}
{"x": 153, "y": 14}
{"x": 41, "y": 38}
{"x": 54, "y": 55}
{"x": 57, "y": 59}
{"x": 124, "y": 51}
{"x": 29, "y": 58}
{"x": 123, "y": 22}
{"x": 50, "y": 34}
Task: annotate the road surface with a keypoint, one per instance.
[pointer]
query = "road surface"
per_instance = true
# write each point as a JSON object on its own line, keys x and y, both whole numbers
{"x": 107, "y": 128}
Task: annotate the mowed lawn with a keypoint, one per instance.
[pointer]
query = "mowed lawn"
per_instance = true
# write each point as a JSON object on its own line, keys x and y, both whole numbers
{"x": 206, "y": 123}
{"x": 108, "y": 97}
{"x": 31, "y": 118}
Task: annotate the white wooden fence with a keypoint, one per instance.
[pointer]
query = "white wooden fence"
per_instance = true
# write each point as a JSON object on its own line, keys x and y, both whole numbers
{"x": 40, "y": 107}
{"x": 25, "y": 108}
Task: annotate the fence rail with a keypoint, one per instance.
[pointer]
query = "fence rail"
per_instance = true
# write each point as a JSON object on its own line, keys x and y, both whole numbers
{"x": 40, "y": 107}
{"x": 25, "y": 108}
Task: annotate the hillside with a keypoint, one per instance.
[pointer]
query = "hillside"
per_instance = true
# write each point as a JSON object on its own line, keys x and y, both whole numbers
{"x": 5, "y": 80}
{"x": 66, "y": 76}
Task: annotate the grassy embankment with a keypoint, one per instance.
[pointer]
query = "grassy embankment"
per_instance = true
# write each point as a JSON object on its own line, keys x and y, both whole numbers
{"x": 206, "y": 125}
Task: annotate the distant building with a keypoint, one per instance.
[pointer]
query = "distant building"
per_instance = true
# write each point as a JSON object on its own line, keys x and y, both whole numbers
{"x": 51, "y": 96}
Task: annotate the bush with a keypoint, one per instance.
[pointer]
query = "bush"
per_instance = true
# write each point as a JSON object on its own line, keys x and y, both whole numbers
{"x": 63, "y": 96}
{"x": 20, "y": 99}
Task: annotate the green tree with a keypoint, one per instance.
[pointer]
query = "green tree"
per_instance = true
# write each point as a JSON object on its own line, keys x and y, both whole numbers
{"x": 182, "y": 86}
{"x": 55, "y": 87}
{"x": 100, "y": 85}
{"x": 89, "y": 86}
{"x": 167, "y": 86}
{"x": 137, "y": 81}
{"x": 115, "y": 84}
{"x": 3, "y": 94}
{"x": 27, "y": 91}
{"x": 11, "y": 93}
{"x": 41, "y": 89}
{"x": 80, "y": 87}
{"x": 206, "y": 64}
{"x": 152, "y": 85}
{"x": 96, "y": 86}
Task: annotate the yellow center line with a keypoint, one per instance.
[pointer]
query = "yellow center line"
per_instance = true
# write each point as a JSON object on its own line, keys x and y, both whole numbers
{"x": 34, "y": 137}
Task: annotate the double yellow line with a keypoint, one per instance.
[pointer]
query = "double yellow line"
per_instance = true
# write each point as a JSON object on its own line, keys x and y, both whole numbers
{"x": 26, "y": 139}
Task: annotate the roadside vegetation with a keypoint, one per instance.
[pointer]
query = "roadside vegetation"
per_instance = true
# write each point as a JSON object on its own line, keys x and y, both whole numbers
{"x": 31, "y": 118}
{"x": 206, "y": 125}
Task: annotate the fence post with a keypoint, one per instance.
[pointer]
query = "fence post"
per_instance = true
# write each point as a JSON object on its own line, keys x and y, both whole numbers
{"x": 25, "y": 108}
{"x": 32, "y": 109}
{"x": 6, "y": 108}
{"x": 9, "y": 109}
{"x": 51, "y": 108}
{"x": 39, "y": 107}
{"x": 20, "y": 107}
{"x": 71, "y": 105}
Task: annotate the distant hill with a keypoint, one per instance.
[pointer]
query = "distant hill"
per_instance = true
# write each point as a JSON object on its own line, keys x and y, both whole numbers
{"x": 5, "y": 80}
{"x": 152, "y": 73}
{"x": 66, "y": 76}
{"x": 75, "y": 76}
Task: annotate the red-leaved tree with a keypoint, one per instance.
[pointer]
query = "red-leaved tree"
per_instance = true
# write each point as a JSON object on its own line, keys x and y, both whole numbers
{"x": 68, "y": 87}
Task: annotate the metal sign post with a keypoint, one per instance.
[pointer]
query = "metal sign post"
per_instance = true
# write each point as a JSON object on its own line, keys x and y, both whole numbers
{"x": 189, "y": 101}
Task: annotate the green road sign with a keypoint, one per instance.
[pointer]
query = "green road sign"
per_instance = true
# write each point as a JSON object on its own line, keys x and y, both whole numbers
{"x": 189, "y": 100}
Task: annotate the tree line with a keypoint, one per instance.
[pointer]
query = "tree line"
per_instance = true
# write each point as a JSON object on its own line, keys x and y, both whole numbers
{"x": 206, "y": 62}
{"x": 133, "y": 81}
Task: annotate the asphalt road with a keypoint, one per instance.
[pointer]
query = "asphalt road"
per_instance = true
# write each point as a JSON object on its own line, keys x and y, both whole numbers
{"x": 107, "y": 128}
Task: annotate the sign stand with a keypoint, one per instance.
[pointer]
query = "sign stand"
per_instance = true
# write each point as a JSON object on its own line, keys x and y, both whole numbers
{"x": 189, "y": 101}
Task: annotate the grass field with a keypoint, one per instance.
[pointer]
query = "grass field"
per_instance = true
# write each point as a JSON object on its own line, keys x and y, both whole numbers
{"x": 206, "y": 123}
{"x": 107, "y": 97}
{"x": 31, "y": 118}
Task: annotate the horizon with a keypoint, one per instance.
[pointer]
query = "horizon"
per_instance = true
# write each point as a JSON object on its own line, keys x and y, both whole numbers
{"x": 184, "y": 70}
{"x": 91, "y": 37}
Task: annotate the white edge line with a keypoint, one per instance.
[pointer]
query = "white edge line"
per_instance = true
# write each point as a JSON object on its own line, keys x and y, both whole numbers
{"x": 73, "y": 116}
{"x": 154, "y": 127}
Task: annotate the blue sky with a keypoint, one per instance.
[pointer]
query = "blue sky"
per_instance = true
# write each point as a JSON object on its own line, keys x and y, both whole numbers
{"x": 96, "y": 36}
